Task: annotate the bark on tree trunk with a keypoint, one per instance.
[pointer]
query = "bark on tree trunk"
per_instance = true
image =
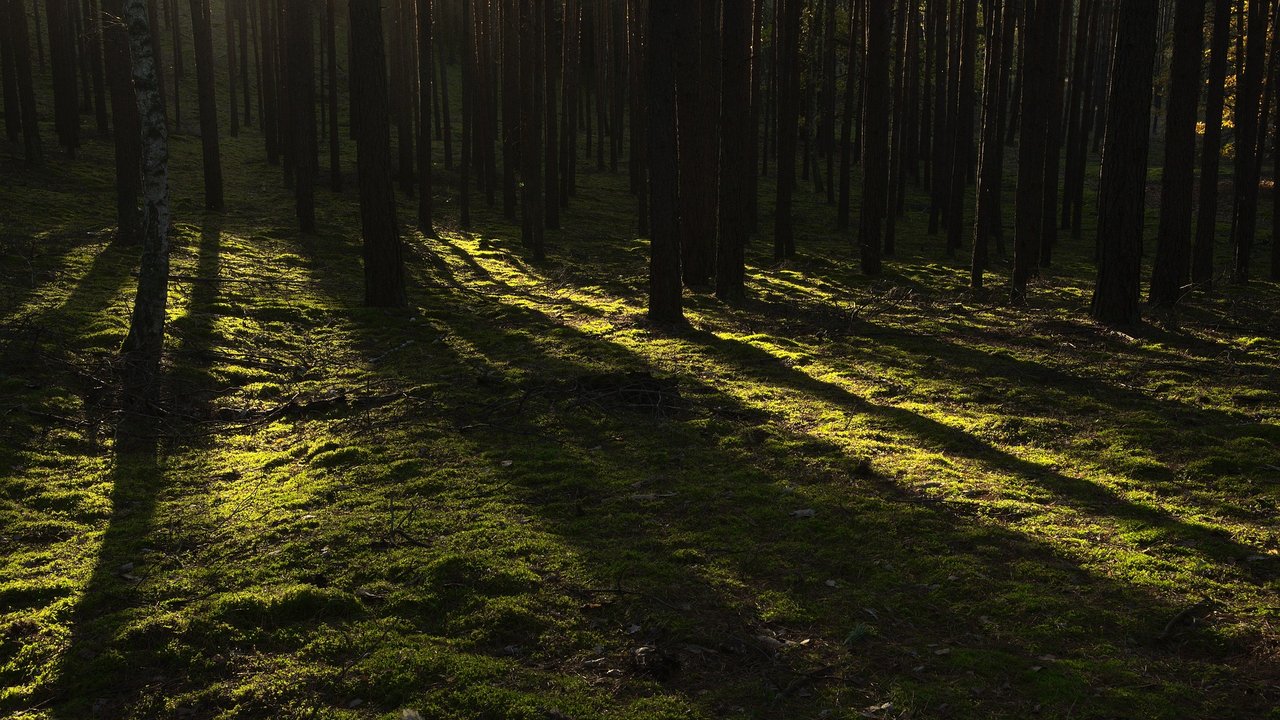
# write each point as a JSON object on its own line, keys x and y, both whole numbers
{"x": 144, "y": 344}
{"x": 426, "y": 223}
{"x": 383, "y": 255}
{"x": 735, "y": 138}
{"x": 875, "y": 161}
{"x": 1124, "y": 165}
{"x": 664, "y": 257}
{"x": 203, "y": 33}
{"x": 1173, "y": 239}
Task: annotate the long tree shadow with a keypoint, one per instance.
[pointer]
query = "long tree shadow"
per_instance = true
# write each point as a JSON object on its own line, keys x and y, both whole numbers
{"x": 731, "y": 495}
{"x": 110, "y": 668}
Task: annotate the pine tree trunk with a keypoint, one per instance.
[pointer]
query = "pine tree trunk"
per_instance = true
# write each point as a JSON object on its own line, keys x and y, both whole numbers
{"x": 33, "y": 151}
{"x": 303, "y": 104}
{"x": 1244, "y": 219}
{"x": 124, "y": 116}
{"x": 735, "y": 136}
{"x": 664, "y": 259}
{"x": 426, "y": 221}
{"x": 991, "y": 147}
{"x": 9, "y": 77}
{"x": 383, "y": 255}
{"x": 1029, "y": 208}
{"x": 846, "y": 126}
{"x": 531, "y": 110}
{"x": 229, "y": 27}
{"x": 875, "y": 159}
{"x": 1177, "y": 183}
{"x": 93, "y": 46}
{"x": 788, "y": 104}
{"x": 962, "y": 126}
{"x": 203, "y": 33}
{"x": 1122, "y": 184}
{"x": 551, "y": 162}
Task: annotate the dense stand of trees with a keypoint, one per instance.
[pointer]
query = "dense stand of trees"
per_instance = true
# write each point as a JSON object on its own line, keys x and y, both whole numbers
{"x": 866, "y": 102}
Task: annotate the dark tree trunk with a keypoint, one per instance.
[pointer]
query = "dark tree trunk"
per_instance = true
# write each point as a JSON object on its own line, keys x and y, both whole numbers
{"x": 1244, "y": 221}
{"x": 572, "y": 74}
{"x": 531, "y": 111}
{"x": 551, "y": 163}
{"x": 664, "y": 258}
{"x": 9, "y": 76}
{"x": 1122, "y": 183}
{"x": 1036, "y": 84}
{"x": 468, "y": 115}
{"x": 242, "y": 19}
{"x": 445, "y": 118}
{"x": 33, "y": 151}
{"x": 735, "y": 137}
{"x": 991, "y": 148}
{"x": 1173, "y": 241}
{"x": 303, "y": 104}
{"x": 510, "y": 104}
{"x": 1055, "y": 52}
{"x": 962, "y": 126}
{"x": 1076, "y": 103}
{"x": 270, "y": 108}
{"x": 124, "y": 115}
{"x": 144, "y": 344}
{"x": 62, "y": 53}
{"x": 875, "y": 157}
{"x": 93, "y": 46}
{"x": 335, "y": 141}
{"x": 846, "y": 124}
{"x": 788, "y": 70}
{"x": 202, "y": 31}
{"x": 229, "y": 27}
{"x": 426, "y": 223}
{"x": 383, "y": 255}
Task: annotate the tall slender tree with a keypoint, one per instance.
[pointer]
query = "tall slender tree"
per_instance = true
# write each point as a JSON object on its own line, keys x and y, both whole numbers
{"x": 301, "y": 54}
{"x": 1244, "y": 220}
{"x": 735, "y": 136}
{"x": 202, "y": 31}
{"x": 426, "y": 221}
{"x": 788, "y": 109}
{"x": 875, "y": 157}
{"x": 664, "y": 255}
{"x": 384, "y": 282}
{"x": 1122, "y": 184}
{"x": 144, "y": 344}
{"x": 1172, "y": 267}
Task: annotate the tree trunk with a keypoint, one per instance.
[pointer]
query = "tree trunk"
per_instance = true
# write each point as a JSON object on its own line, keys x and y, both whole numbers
{"x": 788, "y": 70}
{"x": 1122, "y": 184}
{"x": 531, "y": 110}
{"x": 202, "y": 31}
{"x": 664, "y": 254}
{"x": 9, "y": 76}
{"x": 1173, "y": 240}
{"x": 144, "y": 344}
{"x": 124, "y": 116}
{"x": 991, "y": 148}
{"x": 875, "y": 159}
{"x": 962, "y": 126}
{"x": 62, "y": 53}
{"x": 510, "y": 104}
{"x": 1244, "y": 220}
{"x": 303, "y": 104}
{"x": 33, "y": 151}
{"x": 426, "y": 223}
{"x": 1036, "y": 82}
{"x": 229, "y": 27}
{"x": 735, "y": 137}
{"x": 551, "y": 163}
{"x": 383, "y": 256}
{"x": 846, "y": 124}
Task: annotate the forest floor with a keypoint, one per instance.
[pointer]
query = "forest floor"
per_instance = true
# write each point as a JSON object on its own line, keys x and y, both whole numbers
{"x": 846, "y": 498}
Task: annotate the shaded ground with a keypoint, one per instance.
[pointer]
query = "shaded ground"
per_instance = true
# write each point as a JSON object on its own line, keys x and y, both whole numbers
{"x": 847, "y": 498}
